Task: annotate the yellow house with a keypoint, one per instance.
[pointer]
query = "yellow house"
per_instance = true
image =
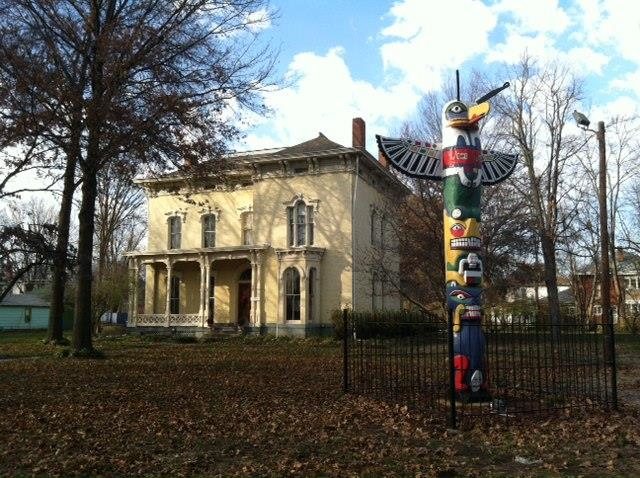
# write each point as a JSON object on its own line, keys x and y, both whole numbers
{"x": 282, "y": 243}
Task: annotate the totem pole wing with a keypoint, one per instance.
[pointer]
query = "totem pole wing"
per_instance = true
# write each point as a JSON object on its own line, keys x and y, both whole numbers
{"x": 413, "y": 158}
{"x": 497, "y": 166}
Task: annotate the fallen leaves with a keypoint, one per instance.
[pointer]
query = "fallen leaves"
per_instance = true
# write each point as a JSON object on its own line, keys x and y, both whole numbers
{"x": 248, "y": 407}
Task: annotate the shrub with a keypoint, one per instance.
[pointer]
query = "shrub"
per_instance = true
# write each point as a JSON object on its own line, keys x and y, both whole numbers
{"x": 387, "y": 323}
{"x": 631, "y": 323}
{"x": 113, "y": 330}
{"x": 185, "y": 339}
{"x": 157, "y": 337}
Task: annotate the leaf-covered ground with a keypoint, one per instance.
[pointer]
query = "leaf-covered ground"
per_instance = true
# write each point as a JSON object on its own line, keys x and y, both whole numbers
{"x": 263, "y": 408}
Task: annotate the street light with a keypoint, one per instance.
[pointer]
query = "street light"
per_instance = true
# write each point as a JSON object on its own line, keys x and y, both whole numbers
{"x": 605, "y": 281}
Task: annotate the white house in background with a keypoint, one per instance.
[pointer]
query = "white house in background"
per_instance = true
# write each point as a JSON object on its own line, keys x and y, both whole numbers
{"x": 528, "y": 293}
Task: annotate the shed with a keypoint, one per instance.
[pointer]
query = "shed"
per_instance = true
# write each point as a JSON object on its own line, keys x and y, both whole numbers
{"x": 23, "y": 312}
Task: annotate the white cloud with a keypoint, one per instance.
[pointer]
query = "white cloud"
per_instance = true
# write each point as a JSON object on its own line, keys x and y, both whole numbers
{"x": 540, "y": 16}
{"x": 516, "y": 44}
{"x": 581, "y": 60}
{"x": 426, "y": 40}
{"x": 620, "y": 107}
{"x": 584, "y": 60}
{"x": 627, "y": 83}
{"x": 259, "y": 20}
{"x": 326, "y": 98}
{"x": 614, "y": 25}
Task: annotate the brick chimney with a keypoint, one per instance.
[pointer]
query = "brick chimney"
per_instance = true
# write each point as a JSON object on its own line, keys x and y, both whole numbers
{"x": 382, "y": 160}
{"x": 358, "y": 133}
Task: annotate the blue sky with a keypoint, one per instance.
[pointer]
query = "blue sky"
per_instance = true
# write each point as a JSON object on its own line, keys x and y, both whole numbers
{"x": 376, "y": 59}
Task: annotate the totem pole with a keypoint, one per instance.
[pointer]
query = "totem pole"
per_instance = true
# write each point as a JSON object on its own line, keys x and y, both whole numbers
{"x": 464, "y": 168}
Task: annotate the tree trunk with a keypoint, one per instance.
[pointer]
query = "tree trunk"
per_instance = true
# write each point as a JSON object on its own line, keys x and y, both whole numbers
{"x": 60, "y": 266}
{"x": 82, "y": 322}
{"x": 550, "y": 278}
{"x": 82, "y": 325}
{"x": 618, "y": 287}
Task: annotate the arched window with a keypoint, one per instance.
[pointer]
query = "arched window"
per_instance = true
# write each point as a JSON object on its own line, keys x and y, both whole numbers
{"x": 300, "y": 224}
{"x": 175, "y": 232}
{"x": 312, "y": 292}
{"x": 292, "y": 293}
{"x": 209, "y": 230}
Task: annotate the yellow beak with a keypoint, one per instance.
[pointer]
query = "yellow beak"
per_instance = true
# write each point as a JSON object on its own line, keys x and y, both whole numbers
{"x": 477, "y": 112}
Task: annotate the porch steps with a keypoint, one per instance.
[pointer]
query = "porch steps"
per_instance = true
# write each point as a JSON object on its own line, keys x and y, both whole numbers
{"x": 225, "y": 329}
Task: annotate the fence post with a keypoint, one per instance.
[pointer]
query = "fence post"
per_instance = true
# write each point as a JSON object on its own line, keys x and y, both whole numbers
{"x": 345, "y": 352}
{"x": 611, "y": 340}
{"x": 453, "y": 419}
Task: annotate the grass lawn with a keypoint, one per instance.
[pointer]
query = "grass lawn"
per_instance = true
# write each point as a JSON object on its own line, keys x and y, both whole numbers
{"x": 261, "y": 407}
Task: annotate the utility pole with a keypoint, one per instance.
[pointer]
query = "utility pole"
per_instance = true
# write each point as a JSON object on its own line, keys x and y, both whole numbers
{"x": 605, "y": 279}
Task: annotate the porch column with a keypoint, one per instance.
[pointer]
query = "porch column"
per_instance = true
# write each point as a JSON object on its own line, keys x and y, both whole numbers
{"x": 304, "y": 282}
{"x": 203, "y": 279}
{"x": 258, "y": 314}
{"x": 167, "y": 311}
{"x": 280, "y": 317}
{"x": 254, "y": 280}
{"x": 207, "y": 289}
{"x": 133, "y": 299}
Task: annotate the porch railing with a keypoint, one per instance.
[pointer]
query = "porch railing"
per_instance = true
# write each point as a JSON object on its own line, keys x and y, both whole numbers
{"x": 160, "y": 320}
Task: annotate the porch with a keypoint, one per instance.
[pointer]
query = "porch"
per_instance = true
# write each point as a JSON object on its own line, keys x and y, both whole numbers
{"x": 197, "y": 288}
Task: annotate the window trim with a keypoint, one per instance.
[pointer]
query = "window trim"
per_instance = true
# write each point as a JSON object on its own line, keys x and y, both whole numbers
{"x": 295, "y": 297}
{"x": 312, "y": 292}
{"x": 171, "y": 234}
{"x": 295, "y": 226}
{"x": 214, "y": 231}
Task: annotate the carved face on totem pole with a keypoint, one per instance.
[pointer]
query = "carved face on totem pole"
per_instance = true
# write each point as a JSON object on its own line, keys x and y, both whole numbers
{"x": 464, "y": 167}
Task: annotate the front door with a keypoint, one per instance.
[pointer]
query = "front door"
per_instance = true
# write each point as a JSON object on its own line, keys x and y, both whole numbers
{"x": 244, "y": 303}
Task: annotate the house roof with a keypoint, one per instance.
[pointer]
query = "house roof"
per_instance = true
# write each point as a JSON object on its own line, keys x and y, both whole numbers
{"x": 320, "y": 143}
{"x": 628, "y": 264}
{"x": 23, "y": 300}
{"x": 317, "y": 147}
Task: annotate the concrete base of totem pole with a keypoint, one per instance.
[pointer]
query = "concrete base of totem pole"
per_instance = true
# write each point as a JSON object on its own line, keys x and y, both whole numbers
{"x": 461, "y": 405}
{"x": 482, "y": 396}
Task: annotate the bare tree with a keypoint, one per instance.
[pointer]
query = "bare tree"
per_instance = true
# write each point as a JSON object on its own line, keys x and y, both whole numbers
{"x": 155, "y": 82}
{"x": 17, "y": 162}
{"x": 120, "y": 218}
{"x": 23, "y": 250}
{"x": 534, "y": 117}
{"x": 622, "y": 165}
{"x": 35, "y": 216}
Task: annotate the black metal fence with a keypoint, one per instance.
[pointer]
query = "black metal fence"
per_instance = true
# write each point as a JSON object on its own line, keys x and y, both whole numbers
{"x": 533, "y": 366}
